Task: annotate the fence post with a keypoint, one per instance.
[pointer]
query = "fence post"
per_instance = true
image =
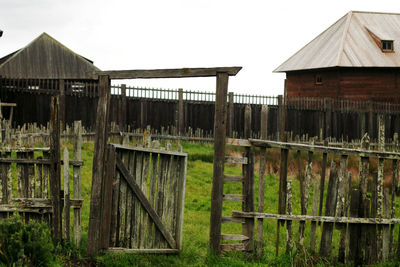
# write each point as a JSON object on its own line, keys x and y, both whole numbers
{"x": 66, "y": 196}
{"x": 55, "y": 171}
{"x": 123, "y": 112}
{"x": 143, "y": 114}
{"x": 280, "y": 117}
{"x": 370, "y": 120}
{"x": 77, "y": 181}
{"x": 231, "y": 115}
{"x": 102, "y": 128}
{"x": 328, "y": 116}
{"x": 248, "y": 184}
{"x": 181, "y": 125}
{"x": 219, "y": 158}
{"x": 261, "y": 184}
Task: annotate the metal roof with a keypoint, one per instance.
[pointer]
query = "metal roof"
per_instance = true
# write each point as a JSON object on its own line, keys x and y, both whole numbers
{"x": 46, "y": 58}
{"x": 349, "y": 42}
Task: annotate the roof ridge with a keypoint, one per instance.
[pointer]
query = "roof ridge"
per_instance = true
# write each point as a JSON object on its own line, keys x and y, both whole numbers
{"x": 375, "y": 12}
{"x": 44, "y": 34}
{"x": 276, "y": 70}
{"x": 345, "y": 31}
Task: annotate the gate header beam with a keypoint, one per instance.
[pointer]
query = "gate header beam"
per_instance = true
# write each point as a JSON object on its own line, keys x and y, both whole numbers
{"x": 167, "y": 73}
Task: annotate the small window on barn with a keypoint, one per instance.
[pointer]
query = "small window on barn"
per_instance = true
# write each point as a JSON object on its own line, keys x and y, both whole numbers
{"x": 318, "y": 79}
{"x": 387, "y": 46}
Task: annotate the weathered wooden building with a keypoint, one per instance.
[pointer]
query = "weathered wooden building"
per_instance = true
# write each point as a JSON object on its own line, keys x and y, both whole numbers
{"x": 46, "y": 58}
{"x": 357, "y": 58}
{"x": 45, "y": 67}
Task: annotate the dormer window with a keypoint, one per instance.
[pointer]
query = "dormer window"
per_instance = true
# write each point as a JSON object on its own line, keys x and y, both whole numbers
{"x": 387, "y": 46}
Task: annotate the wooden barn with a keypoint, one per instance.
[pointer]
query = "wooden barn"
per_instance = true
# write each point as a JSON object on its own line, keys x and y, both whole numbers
{"x": 357, "y": 58}
{"x": 45, "y": 67}
{"x": 46, "y": 58}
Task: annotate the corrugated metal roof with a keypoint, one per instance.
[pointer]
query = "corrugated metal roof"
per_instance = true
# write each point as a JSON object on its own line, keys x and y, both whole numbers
{"x": 47, "y": 58}
{"x": 349, "y": 43}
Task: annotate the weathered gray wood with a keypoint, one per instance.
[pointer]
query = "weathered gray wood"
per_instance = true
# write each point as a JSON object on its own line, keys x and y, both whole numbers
{"x": 330, "y": 208}
{"x": 238, "y": 142}
{"x": 316, "y": 148}
{"x": 234, "y": 237}
{"x": 340, "y": 206}
{"x": 168, "y": 73}
{"x": 67, "y": 205}
{"x": 233, "y": 247}
{"x": 304, "y": 200}
{"x": 219, "y": 157}
{"x": 144, "y": 251}
{"x": 151, "y": 150}
{"x": 55, "y": 170}
{"x": 386, "y": 228}
{"x": 282, "y": 193}
{"x": 180, "y": 202}
{"x": 379, "y": 186}
{"x": 152, "y": 192}
{"x": 314, "y": 213}
{"x": 231, "y": 197}
{"x": 289, "y": 242}
{"x": 142, "y": 198}
{"x": 355, "y": 246}
{"x": 322, "y": 183}
{"x": 261, "y": 179}
{"x": 248, "y": 184}
{"x": 309, "y": 218}
{"x": 98, "y": 164}
{"x": 77, "y": 182}
{"x": 107, "y": 202}
{"x": 236, "y": 160}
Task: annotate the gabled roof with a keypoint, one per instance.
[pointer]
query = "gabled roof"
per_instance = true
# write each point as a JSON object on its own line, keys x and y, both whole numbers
{"x": 350, "y": 42}
{"x": 46, "y": 58}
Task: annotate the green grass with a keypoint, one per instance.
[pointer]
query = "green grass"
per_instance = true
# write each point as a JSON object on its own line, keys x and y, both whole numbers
{"x": 197, "y": 218}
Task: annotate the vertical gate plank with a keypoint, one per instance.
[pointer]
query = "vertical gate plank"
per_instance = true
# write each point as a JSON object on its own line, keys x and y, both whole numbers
{"x": 314, "y": 213}
{"x": 110, "y": 171}
{"x": 341, "y": 206}
{"x": 152, "y": 197}
{"x": 330, "y": 208}
{"x": 355, "y": 244}
{"x": 180, "y": 201}
{"x": 289, "y": 243}
{"x": 146, "y": 218}
{"x": 122, "y": 210}
{"x": 304, "y": 200}
{"x": 128, "y": 158}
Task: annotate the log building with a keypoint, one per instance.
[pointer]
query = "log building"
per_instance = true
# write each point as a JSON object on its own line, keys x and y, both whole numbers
{"x": 357, "y": 58}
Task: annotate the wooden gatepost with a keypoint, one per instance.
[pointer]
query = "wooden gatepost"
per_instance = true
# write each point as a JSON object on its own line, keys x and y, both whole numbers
{"x": 100, "y": 218}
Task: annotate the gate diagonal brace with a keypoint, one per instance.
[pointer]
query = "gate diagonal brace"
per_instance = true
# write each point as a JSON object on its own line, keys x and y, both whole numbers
{"x": 145, "y": 203}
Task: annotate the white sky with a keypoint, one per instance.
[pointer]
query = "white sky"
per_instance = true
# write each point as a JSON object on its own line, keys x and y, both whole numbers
{"x": 257, "y": 35}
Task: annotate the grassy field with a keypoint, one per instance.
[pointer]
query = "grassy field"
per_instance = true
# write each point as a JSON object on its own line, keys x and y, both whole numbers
{"x": 196, "y": 220}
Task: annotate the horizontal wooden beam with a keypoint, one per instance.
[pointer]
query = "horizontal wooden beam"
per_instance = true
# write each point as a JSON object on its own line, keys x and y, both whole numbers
{"x": 259, "y": 215}
{"x": 151, "y": 150}
{"x": 167, "y": 73}
{"x": 142, "y": 250}
{"x": 324, "y": 149}
{"x": 8, "y": 105}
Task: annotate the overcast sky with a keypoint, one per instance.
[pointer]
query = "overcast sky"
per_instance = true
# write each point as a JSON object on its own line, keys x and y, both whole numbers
{"x": 116, "y": 35}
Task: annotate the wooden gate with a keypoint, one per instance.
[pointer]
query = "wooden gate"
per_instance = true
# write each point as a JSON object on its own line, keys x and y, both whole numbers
{"x": 144, "y": 192}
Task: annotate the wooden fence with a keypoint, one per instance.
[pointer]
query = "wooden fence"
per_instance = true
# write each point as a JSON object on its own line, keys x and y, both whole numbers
{"x": 181, "y": 111}
{"x": 28, "y": 179}
{"x": 359, "y": 211}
